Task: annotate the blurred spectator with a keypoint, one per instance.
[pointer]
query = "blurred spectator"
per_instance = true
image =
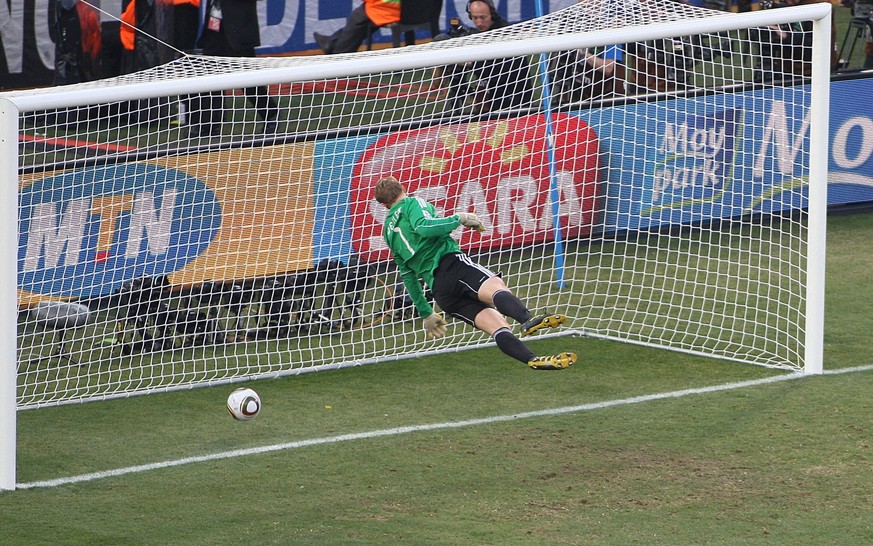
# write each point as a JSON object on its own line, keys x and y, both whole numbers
{"x": 230, "y": 29}
{"x": 584, "y": 75}
{"x": 361, "y": 22}
{"x": 786, "y": 50}
{"x": 138, "y": 31}
{"x": 604, "y": 71}
{"x": 148, "y": 23}
{"x": 498, "y": 84}
{"x": 862, "y": 12}
{"x": 75, "y": 30}
{"x": 111, "y": 49}
{"x": 185, "y": 21}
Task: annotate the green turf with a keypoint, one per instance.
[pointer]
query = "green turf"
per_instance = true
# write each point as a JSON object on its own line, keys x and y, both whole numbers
{"x": 781, "y": 463}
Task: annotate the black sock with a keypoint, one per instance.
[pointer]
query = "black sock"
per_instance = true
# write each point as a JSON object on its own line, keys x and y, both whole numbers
{"x": 512, "y": 346}
{"x": 506, "y": 302}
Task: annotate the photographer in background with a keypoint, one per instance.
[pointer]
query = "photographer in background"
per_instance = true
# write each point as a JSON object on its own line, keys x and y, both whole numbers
{"x": 498, "y": 84}
{"x": 75, "y": 30}
{"x": 786, "y": 49}
{"x": 862, "y": 11}
{"x": 586, "y": 75}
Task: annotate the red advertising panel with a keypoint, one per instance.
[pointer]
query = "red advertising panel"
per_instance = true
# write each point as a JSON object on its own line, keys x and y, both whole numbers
{"x": 498, "y": 169}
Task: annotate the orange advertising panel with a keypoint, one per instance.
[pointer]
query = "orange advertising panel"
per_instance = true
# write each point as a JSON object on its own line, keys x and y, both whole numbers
{"x": 267, "y": 213}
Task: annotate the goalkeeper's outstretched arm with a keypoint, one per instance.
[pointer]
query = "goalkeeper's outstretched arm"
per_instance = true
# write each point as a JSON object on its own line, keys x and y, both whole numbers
{"x": 416, "y": 292}
{"x": 425, "y": 223}
{"x": 434, "y": 323}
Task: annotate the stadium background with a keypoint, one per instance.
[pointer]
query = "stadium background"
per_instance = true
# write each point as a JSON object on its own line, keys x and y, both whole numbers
{"x": 27, "y": 51}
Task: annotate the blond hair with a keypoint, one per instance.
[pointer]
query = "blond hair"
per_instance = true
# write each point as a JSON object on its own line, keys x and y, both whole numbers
{"x": 388, "y": 190}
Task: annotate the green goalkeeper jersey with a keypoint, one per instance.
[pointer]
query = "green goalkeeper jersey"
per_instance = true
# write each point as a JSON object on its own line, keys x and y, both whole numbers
{"x": 418, "y": 239}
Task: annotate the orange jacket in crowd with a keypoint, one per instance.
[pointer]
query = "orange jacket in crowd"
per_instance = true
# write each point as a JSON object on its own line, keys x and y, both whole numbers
{"x": 128, "y": 22}
{"x": 128, "y": 34}
{"x": 89, "y": 22}
{"x": 383, "y": 12}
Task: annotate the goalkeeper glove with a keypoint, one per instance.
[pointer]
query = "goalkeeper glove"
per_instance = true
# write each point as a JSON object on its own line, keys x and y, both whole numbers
{"x": 470, "y": 220}
{"x": 435, "y": 326}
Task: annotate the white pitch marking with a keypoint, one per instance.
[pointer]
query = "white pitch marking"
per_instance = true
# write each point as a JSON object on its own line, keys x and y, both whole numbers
{"x": 420, "y": 428}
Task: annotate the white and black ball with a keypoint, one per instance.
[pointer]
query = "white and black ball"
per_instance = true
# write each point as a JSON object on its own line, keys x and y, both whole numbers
{"x": 244, "y": 404}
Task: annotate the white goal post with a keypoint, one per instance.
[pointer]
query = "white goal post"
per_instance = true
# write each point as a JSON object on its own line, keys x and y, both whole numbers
{"x": 211, "y": 220}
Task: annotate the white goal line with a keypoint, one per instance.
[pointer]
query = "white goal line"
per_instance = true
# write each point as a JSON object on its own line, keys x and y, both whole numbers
{"x": 423, "y": 428}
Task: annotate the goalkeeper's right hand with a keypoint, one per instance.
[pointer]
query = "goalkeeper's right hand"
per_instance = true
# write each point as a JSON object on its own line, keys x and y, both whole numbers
{"x": 470, "y": 220}
{"x": 435, "y": 325}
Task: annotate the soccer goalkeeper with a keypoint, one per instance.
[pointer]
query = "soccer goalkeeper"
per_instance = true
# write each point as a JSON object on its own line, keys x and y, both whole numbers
{"x": 423, "y": 248}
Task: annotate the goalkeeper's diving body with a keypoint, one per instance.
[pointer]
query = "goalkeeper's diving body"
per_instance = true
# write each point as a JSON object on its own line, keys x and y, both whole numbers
{"x": 423, "y": 248}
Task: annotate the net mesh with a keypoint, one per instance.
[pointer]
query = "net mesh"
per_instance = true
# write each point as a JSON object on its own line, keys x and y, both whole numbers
{"x": 216, "y": 235}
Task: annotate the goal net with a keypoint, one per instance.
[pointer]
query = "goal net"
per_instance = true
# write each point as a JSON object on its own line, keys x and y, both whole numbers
{"x": 651, "y": 169}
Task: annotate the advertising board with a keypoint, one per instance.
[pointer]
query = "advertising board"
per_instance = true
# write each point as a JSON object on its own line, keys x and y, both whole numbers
{"x": 84, "y": 232}
{"x": 206, "y": 217}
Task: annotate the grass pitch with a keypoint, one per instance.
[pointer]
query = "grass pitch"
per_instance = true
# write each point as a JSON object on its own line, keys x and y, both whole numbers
{"x": 391, "y": 453}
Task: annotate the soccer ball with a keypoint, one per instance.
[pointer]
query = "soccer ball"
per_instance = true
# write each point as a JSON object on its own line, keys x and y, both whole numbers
{"x": 243, "y": 404}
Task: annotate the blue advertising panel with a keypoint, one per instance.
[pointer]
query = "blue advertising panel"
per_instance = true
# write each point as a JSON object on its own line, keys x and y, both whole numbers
{"x": 89, "y": 229}
{"x": 333, "y": 163}
{"x": 86, "y": 231}
{"x": 689, "y": 160}
{"x": 850, "y": 165}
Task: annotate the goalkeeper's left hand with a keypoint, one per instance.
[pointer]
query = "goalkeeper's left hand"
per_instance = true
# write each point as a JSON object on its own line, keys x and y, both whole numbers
{"x": 435, "y": 325}
{"x": 470, "y": 220}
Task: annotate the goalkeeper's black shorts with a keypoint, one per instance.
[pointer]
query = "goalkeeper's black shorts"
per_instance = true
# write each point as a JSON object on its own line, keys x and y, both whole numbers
{"x": 456, "y": 284}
